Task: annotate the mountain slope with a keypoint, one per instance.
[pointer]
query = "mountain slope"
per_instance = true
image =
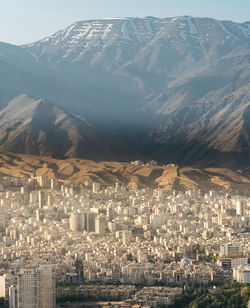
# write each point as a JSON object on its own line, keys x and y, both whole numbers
{"x": 39, "y": 127}
{"x": 210, "y": 112}
{"x": 73, "y": 171}
{"x": 171, "y": 89}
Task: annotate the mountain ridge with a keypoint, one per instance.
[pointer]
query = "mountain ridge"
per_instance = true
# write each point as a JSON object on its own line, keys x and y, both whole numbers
{"x": 171, "y": 89}
{"x": 42, "y": 128}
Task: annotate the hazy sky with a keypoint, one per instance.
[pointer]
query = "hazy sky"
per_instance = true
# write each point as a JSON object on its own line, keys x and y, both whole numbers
{"x": 24, "y": 21}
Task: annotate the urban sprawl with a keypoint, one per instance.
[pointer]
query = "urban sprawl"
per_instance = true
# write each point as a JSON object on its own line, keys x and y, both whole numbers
{"x": 107, "y": 241}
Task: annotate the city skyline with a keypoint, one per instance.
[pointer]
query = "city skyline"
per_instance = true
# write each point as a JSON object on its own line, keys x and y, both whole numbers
{"x": 124, "y": 153}
{"x": 104, "y": 240}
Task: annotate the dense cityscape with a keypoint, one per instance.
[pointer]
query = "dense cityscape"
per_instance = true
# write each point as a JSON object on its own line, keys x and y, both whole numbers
{"x": 141, "y": 246}
{"x": 124, "y": 154}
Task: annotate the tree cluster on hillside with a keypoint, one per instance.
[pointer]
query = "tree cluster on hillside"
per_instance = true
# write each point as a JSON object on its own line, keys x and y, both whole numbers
{"x": 234, "y": 295}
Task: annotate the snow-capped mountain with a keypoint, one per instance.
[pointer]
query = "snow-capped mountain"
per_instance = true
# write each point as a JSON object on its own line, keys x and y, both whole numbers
{"x": 172, "y": 88}
{"x": 138, "y": 36}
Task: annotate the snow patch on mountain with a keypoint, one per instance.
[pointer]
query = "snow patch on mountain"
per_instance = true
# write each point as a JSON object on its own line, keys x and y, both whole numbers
{"x": 192, "y": 27}
{"x": 125, "y": 34}
{"x": 135, "y": 30}
{"x": 33, "y": 55}
{"x": 149, "y": 27}
{"x": 245, "y": 29}
{"x": 229, "y": 35}
{"x": 107, "y": 31}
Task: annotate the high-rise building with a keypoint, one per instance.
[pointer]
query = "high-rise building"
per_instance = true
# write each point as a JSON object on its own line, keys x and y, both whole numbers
{"x": 12, "y": 297}
{"x": 46, "y": 287}
{"x": 39, "y": 215}
{"x": 49, "y": 200}
{"x": 110, "y": 212}
{"x": 27, "y": 289}
{"x": 100, "y": 224}
{"x": 96, "y": 187}
{"x": 41, "y": 199}
{"x": 77, "y": 222}
{"x": 126, "y": 237}
{"x": 53, "y": 183}
{"x": 79, "y": 271}
{"x": 36, "y": 288}
{"x": 43, "y": 181}
{"x": 230, "y": 251}
{"x": 240, "y": 208}
{"x": 3, "y": 286}
{"x": 242, "y": 273}
{"x": 90, "y": 222}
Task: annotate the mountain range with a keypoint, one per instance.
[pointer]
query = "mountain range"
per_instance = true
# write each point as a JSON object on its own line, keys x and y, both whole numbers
{"x": 171, "y": 89}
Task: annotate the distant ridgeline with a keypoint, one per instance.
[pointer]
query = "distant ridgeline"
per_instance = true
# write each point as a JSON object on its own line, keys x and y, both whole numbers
{"x": 171, "y": 90}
